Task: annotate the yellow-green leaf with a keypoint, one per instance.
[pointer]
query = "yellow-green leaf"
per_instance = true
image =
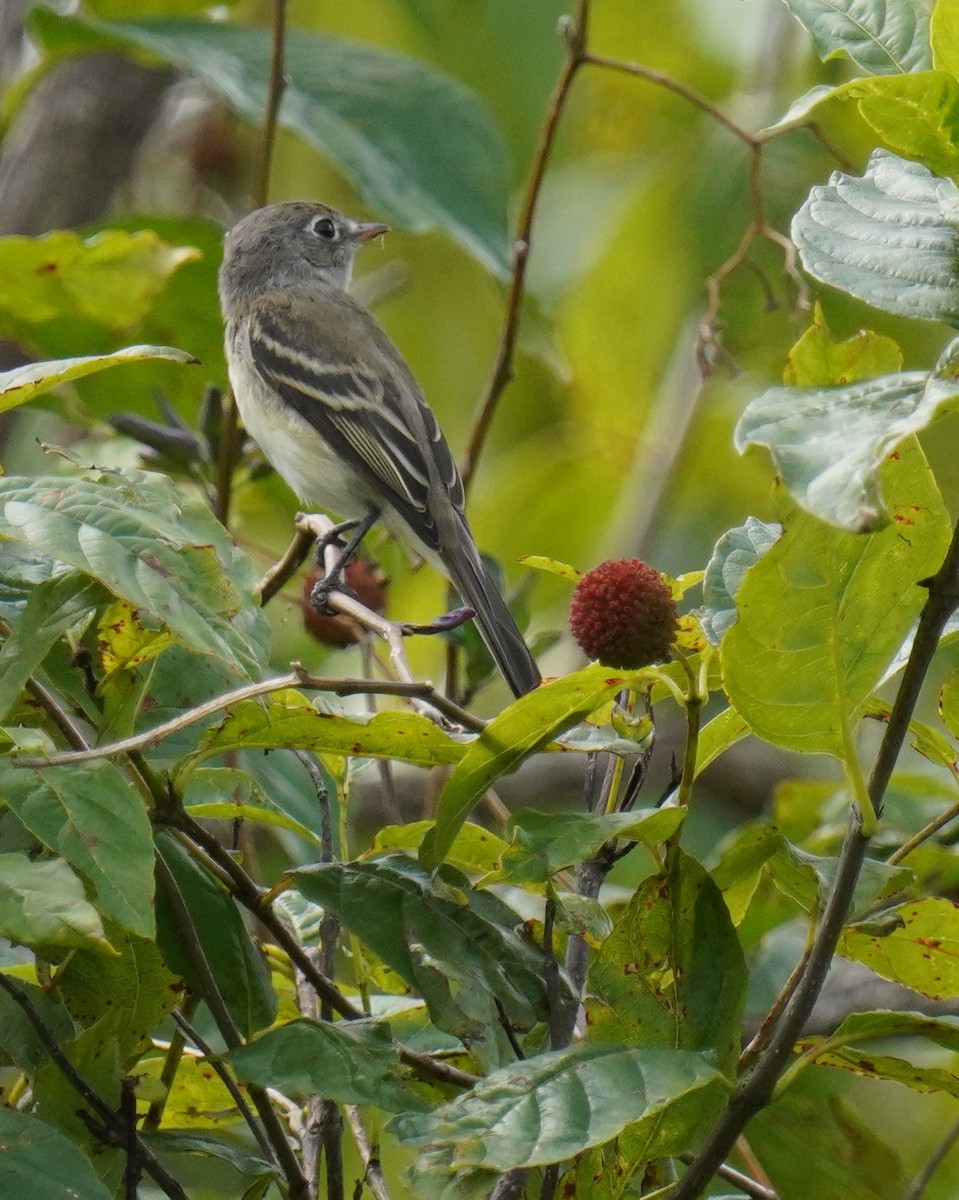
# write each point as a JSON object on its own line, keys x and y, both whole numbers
{"x": 26, "y": 383}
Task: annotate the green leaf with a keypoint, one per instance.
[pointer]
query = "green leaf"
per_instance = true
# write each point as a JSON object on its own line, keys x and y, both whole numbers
{"x": 829, "y": 444}
{"x": 717, "y": 736}
{"x": 916, "y": 116}
{"x": 539, "y": 562}
{"x": 809, "y": 878}
{"x": 931, "y": 743}
{"x": 226, "y": 794}
{"x": 816, "y": 360}
{"x": 26, "y": 383}
{"x": 420, "y": 148}
{"x": 179, "y": 1141}
{"x": 945, "y": 36}
{"x": 458, "y": 946}
{"x": 148, "y": 8}
{"x": 92, "y": 816}
{"x": 286, "y": 720}
{"x": 880, "y": 36}
{"x": 475, "y": 851}
{"x": 234, "y": 959}
{"x": 823, "y": 613}
{"x": 555, "y": 1105}
{"x": 544, "y": 843}
{"x": 94, "y": 1057}
{"x": 672, "y": 972}
{"x": 922, "y": 953}
{"x": 351, "y": 1062}
{"x": 111, "y": 279}
{"x": 949, "y": 704}
{"x": 52, "y": 609}
{"x": 742, "y": 864}
{"x": 885, "y": 1023}
{"x": 527, "y": 725}
{"x": 134, "y": 985}
{"x": 38, "y": 1163}
{"x": 196, "y": 1099}
{"x": 42, "y": 904}
{"x": 825, "y": 1147}
{"x": 735, "y": 552}
{"x": 841, "y": 1049}
{"x": 169, "y": 557}
{"x": 20, "y": 1043}
{"x": 889, "y": 238}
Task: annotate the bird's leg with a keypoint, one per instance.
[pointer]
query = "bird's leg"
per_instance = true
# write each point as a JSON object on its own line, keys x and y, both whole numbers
{"x": 332, "y": 581}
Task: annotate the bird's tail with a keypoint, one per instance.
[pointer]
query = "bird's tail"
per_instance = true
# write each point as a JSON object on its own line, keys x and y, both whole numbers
{"x": 496, "y": 625}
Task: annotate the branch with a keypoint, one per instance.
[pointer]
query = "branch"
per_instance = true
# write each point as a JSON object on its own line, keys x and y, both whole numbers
{"x": 921, "y": 1181}
{"x": 229, "y": 424}
{"x": 756, "y": 1089}
{"x": 660, "y": 79}
{"x": 276, "y": 87}
{"x": 107, "y": 1116}
{"x": 298, "y": 677}
{"x": 372, "y": 1171}
{"x": 575, "y": 30}
{"x": 282, "y": 1152}
{"x": 286, "y": 567}
{"x": 257, "y": 902}
{"x": 209, "y": 1055}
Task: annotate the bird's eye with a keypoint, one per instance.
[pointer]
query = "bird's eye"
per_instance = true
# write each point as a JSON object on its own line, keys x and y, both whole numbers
{"x": 323, "y": 227}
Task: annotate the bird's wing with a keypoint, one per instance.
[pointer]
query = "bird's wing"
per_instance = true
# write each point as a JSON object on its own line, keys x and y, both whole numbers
{"x": 364, "y": 402}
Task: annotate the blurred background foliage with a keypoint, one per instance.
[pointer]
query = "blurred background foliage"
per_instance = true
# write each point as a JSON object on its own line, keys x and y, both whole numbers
{"x": 610, "y": 441}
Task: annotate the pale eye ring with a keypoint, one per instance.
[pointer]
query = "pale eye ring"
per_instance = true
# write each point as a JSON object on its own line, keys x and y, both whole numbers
{"x": 323, "y": 227}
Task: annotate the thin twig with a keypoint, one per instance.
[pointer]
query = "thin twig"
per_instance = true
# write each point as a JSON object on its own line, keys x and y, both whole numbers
{"x": 758, "y": 1191}
{"x": 935, "y": 1160}
{"x": 226, "y": 459}
{"x": 924, "y": 834}
{"x": 57, "y": 714}
{"x": 660, "y": 79}
{"x": 322, "y": 802}
{"x": 757, "y": 1088}
{"x": 128, "y": 1116}
{"x": 694, "y": 710}
{"x": 331, "y": 1138}
{"x": 294, "y": 556}
{"x": 296, "y": 678}
{"x": 171, "y": 1064}
{"x": 576, "y": 31}
{"x": 229, "y": 423}
{"x": 274, "y": 97}
{"x": 209, "y": 989}
{"x": 372, "y": 1171}
{"x": 108, "y": 1117}
{"x": 256, "y": 901}
{"x": 186, "y": 1030}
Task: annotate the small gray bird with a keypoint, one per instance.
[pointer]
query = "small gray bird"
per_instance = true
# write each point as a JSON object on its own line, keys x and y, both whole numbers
{"x": 335, "y": 407}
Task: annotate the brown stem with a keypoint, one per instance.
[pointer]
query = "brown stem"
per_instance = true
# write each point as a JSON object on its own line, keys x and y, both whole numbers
{"x": 576, "y": 31}
{"x": 296, "y": 678}
{"x": 108, "y": 1117}
{"x": 756, "y": 1088}
{"x": 275, "y": 89}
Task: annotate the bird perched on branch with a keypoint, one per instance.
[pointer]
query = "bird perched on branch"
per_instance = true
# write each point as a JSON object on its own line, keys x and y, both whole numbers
{"x": 335, "y": 408}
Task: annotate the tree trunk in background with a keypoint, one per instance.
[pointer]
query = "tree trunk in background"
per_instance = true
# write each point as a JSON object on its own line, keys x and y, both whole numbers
{"x": 74, "y": 140}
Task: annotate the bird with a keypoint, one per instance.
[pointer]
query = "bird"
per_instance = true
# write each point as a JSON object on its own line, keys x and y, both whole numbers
{"x": 330, "y": 400}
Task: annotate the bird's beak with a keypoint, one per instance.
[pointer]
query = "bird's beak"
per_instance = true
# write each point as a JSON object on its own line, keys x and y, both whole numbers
{"x": 366, "y": 231}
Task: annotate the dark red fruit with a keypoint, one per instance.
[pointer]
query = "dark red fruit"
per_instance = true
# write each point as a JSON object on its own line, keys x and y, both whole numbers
{"x": 367, "y": 582}
{"x": 623, "y": 614}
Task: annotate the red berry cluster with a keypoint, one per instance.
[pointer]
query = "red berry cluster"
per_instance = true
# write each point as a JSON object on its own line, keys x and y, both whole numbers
{"x": 623, "y": 614}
